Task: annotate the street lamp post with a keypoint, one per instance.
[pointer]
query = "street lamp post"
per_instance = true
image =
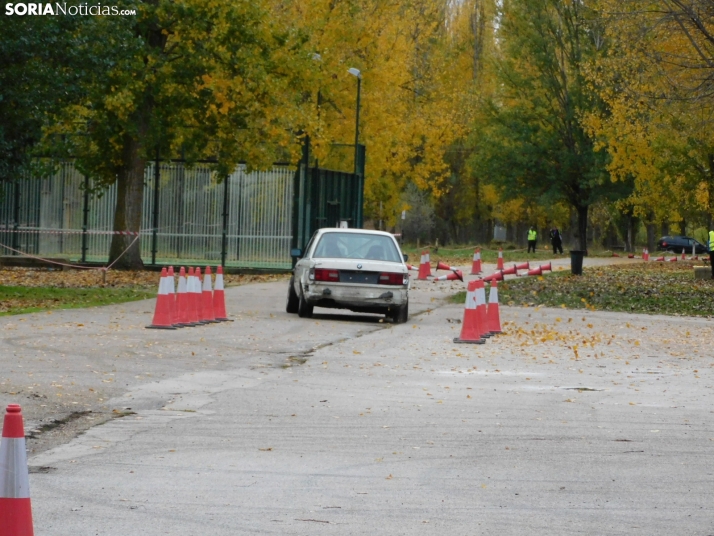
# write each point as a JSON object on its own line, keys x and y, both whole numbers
{"x": 358, "y": 74}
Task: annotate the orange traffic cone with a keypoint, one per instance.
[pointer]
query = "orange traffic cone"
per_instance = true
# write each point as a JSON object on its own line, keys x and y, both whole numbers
{"x": 511, "y": 270}
{"x": 546, "y": 267}
{"x": 523, "y": 266}
{"x": 410, "y": 267}
{"x": 495, "y": 275}
{"x": 207, "y": 314}
{"x": 535, "y": 271}
{"x": 659, "y": 259}
{"x": 219, "y": 297}
{"x": 162, "y": 312}
{"x": 615, "y": 254}
{"x": 182, "y": 309}
{"x": 424, "y": 266}
{"x": 630, "y": 255}
{"x": 171, "y": 286}
{"x": 493, "y": 317}
{"x": 443, "y": 266}
{"x": 470, "y": 330}
{"x": 481, "y": 308}
{"x": 684, "y": 257}
{"x": 645, "y": 254}
{"x": 453, "y": 276}
{"x": 500, "y": 259}
{"x": 15, "y": 507}
{"x": 476, "y": 266}
{"x": 672, "y": 259}
{"x": 192, "y": 298}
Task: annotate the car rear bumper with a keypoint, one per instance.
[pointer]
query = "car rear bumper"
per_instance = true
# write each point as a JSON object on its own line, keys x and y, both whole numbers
{"x": 348, "y": 296}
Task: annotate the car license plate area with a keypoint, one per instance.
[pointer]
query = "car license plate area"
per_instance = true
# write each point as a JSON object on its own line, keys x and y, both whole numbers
{"x": 363, "y": 278}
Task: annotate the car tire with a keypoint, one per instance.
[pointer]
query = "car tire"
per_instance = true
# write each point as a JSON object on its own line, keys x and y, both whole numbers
{"x": 400, "y": 314}
{"x": 304, "y": 308}
{"x": 293, "y": 301}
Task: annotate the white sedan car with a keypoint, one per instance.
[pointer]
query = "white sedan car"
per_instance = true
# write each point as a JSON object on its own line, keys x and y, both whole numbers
{"x": 355, "y": 269}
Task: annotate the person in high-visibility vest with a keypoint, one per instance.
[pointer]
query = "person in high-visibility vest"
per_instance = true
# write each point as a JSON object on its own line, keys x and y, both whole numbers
{"x": 532, "y": 237}
{"x": 711, "y": 251}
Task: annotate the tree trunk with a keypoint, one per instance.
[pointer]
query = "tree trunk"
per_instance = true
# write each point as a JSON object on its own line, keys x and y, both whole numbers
{"x": 582, "y": 227}
{"x": 631, "y": 233}
{"x": 683, "y": 227}
{"x": 127, "y": 217}
{"x": 650, "y": 232}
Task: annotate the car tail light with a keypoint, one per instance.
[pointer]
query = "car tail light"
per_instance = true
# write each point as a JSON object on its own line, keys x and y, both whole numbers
{"x": 664, "y": 244}
{"x": 391, "y": 278}
{"x": 322, "y": 274}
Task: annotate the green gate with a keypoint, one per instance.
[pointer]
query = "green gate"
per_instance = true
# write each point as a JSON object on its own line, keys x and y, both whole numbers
{"x": 326, "y": 198}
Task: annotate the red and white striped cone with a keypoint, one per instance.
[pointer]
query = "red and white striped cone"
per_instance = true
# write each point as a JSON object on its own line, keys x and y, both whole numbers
{"x": 546, "y": 267}
{"x": 684, "y": 256}
{"x": 535, "y": 271}
{"x": 476, "y": 266}
{"x": 219, "y": 297}
{"x": 453, "y": 276}
{"x": 672, "y": 259}
{"x": 182, "y": 309}
{"x": 198, "y": 293}
{"x": 443, "y": 266}
{"x": 615, "y": 254}
{"x": 523, "y": 266}
{"x": 645, "y": 254}
{"x": 630, "y": 255}
{"x": 15, "y": 507}
{"x": 470, "y": 330}
{"x": 499, "y": 266}
{"x": 498, "y": 275}
{"x": 481, "y": 308}
{"x": 493, "y": 316}
{"x": 660, "y": 259}
{"x": 411, "y": 267}
{"x": 192, "y": 298}
{"x": 162, "y": 312}
{"x": 511, "y": 270}
{"x": 207, "y": 314}
{"x": 424, "y": 267}
{"x": 171, "y": 287}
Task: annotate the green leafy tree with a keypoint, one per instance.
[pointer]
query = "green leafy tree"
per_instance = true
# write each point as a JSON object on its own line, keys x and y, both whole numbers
{"x": 42, "y": 60}
{"x": 531, "y": 142}
{"x": 196, "y": 78}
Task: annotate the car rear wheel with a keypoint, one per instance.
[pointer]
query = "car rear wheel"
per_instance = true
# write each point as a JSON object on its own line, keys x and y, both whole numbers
{"x": 293, "y": 302}
{"x": 304, "y": 308}
{"x": 400, "y": 314}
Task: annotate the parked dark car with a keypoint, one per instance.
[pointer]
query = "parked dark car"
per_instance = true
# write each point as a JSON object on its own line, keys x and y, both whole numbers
{"x": 678, "y": 243}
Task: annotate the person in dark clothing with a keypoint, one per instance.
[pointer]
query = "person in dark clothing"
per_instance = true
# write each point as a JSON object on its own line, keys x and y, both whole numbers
{"x": 557, "y": 240}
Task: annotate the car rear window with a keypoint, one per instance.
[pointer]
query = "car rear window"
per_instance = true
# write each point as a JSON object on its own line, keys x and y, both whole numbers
{"x": 357, "y": 246}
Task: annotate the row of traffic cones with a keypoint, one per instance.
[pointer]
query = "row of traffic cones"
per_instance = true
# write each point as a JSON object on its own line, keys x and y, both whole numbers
{"x": 481, "y": 320}
{"x": 194, "y": 304}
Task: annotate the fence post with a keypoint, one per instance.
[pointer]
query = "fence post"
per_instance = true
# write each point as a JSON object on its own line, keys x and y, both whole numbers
{"x": 224, "y": 238}
{"x": 155, "y": 220}
{"x": 16, "y": 216}
{"x": 85, "y": 221}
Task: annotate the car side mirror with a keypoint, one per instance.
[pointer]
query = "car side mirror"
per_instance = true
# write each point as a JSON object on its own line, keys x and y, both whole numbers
{"x": 296, "y": 252}
{"x": 405, "y": 256}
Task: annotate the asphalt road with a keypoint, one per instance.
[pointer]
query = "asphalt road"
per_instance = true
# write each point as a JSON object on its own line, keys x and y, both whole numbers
{"x": 570, "y": 422}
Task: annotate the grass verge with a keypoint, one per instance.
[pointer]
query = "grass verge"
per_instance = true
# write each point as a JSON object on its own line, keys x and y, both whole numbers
{"x": 653, "y": 288}
{"x": 19, "y": 300}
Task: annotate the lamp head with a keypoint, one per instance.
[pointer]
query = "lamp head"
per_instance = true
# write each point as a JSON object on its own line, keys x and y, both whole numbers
{"x": 355, "y": 72}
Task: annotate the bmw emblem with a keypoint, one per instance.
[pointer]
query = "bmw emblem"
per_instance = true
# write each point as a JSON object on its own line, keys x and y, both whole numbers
{"x": 359, "y": 266}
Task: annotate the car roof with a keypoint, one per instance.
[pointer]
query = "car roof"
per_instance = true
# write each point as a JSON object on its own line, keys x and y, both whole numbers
{"x": 326, "y": 230}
